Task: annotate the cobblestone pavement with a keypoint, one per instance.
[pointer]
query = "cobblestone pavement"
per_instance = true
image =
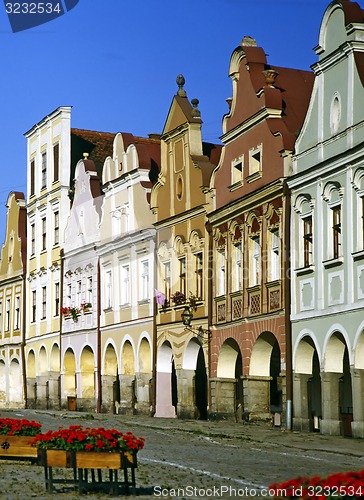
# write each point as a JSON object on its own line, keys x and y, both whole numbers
{"x": 193, "y": 459}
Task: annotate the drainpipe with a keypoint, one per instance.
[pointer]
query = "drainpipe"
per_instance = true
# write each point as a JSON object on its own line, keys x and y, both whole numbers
{"x": 22, "y": 345}
{"x": 287, "y": 304}
{"x": 61, "y": 254}
{"x": 210, "y": 261}
{"x": 154, "y": 340}
{"x": 98, "y": 309}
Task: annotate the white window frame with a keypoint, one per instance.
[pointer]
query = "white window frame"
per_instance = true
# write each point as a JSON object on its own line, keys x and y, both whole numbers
{"x": 125, "y": 284}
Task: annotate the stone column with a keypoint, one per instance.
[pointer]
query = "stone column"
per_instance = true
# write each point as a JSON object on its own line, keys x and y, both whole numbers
{"x": 127, "y": 394}
{"x": 31, "y": 392}
{"x": 357, "y": 380}
{"x": 301, "y": 417}
{"x": 143, "y": 393}
{"x": 42, "y": 392}
{"x": 330, "y": 423}
{"x": 108, "y": 403}
{"x": 164, "y": 407}
{"x": 54, "y": 391}
{"x": 257, "y": 397}
{"x": 223, "y": 397}
{"x": 186, "y": 407}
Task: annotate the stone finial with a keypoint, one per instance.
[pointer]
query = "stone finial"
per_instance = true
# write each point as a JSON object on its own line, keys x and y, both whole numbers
{"x": 85, "y": 156}
{"x": 270, "y": 76}
{"x": 195, "y": 112}
{"x": 180, "y": 82}
{"x": 248, "y": 41}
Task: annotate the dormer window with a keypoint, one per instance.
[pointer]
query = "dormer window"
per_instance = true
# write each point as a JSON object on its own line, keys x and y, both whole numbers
{"x": 255, "y": 164}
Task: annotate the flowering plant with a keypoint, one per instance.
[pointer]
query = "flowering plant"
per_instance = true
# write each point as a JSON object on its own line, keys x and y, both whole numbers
{"x": 71, "y": 311}
{"x": 337, "y": 486}
{"x": 79, "y": 439}
{"x": 85, "y": 306}
{"x": 19, "y": 427}
{"x": 178, "y": 298}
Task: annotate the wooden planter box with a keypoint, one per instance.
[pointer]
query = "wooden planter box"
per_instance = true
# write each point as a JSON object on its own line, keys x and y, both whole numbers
{"x": 17, "y": 447}
{"x": 87, "y": 469}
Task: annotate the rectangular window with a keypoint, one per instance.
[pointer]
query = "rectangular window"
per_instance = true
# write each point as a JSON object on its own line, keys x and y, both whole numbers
{"x": 256, "y": 258}
{"x": 182, "y": 275}
{"x": 274, "y": 259}
{"x": 78, "y": 293}
{"x": 44, "y": 302}
{"x": 167, "y": 280}
{"x": 44, "y": 169}
{"x": 1, "y": 316}
{"x": 32, "y": 177}
{"x": 362, "y": 220}
{"x": 221, "y": 271}
{"x": 69, "y": 295}
{"x": 56, "y": 228}
{"x": 307, "y": 241}
{"x": 144, "y": 288}
{"x": 125, "y": 284}
{"x": 56, "y": 162}
{"x": 237, "y": 284}
{"x": 7, "y": 315}
{"x": 255, "y": 164}
{"x": 89, "y": 290}
{"x": 44, "y": 233}
{"x": 17, "y": 314}
{"x": 108, "y": 286}
{"x": 56, "y": 299}
{"x": 34, "y": 306}
{"x": 199, "y": 275}
{"x": 237, "y": 171}
{"x": 336, "y": 231}
{"x": 32, "y": 236}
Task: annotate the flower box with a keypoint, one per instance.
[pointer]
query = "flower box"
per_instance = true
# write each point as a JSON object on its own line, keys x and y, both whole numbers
{"x": 105, "y": 460}
{"x": 55, "y": 458}
{"x": 17, "y": 447}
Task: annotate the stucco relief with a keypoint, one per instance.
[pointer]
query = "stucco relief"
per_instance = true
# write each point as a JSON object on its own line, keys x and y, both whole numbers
{"x": 306, "y": 295}
{"x": 336, "y": 288}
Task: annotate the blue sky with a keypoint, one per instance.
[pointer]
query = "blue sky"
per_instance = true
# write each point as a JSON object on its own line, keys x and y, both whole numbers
{"x": 116, "y": 61}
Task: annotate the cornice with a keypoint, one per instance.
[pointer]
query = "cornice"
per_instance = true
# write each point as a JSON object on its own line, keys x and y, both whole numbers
{"x": 251, "y": 122}
{"x": 193, "y": 213}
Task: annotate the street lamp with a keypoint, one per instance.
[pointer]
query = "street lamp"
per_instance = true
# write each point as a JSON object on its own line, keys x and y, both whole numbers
{"x": 187, "y": 316}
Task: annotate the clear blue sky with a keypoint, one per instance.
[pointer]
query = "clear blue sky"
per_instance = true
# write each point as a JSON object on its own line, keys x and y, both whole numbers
{"x": 116, "y": 61}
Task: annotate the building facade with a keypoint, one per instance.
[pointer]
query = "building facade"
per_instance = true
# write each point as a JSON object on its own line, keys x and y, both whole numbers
{"x": 327, "y": 235}
{"x": 12, "y": 300}
{"x": 180, "y": 201}
{"x": 126, "y": 256}
{"x": 250, "y": 332}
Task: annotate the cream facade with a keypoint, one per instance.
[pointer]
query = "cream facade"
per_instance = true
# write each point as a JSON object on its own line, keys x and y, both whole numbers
{"x": 48, "y": 205}
{"x": 126, "y": 253}
{"x": 12, "y": 279}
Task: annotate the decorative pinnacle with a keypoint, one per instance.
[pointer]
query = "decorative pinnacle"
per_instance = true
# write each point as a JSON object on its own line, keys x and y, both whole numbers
{"x": 85, "y": 156}
{"x": 195, "y": 112}
{"x": 180, "y": 82}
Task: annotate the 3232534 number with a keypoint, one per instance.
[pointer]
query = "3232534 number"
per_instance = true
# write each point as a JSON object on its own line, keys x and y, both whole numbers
{"x": 33, "y": 8}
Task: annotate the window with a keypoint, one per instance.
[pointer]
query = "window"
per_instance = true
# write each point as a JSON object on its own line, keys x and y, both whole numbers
{"x": 199, "y": 275}
{"x": 34, "y": 306}
{"x": 256, "y": 257}
{"x": 44, "y": 302}
{"x": 274, "y": 256}
{"x": 32, "y": 174}
{"x": 125, "y": 284}
{"x": 221, "y": 272}
{"x": 237, "y": 278}
{"x": 69, "y": 294}
{"x": 7, "y": 315}
{"x": 44, "y": 169}
{"x": 167, "y": 279}
{"x": 56, "y": 162}
{"x": 237, "y": 171}
{"x": 78, "y": 293}
{"x": 32, "y": 236}
{"x": 89, "y": 290}
{"x": 17, "y": 314}
{"x": 336, "y": 231}
{"x": 144, "y": 280}
{"x": 1, "y": 316}
{"x": 44, "y": 233}
{"x": 307, "y": 241}
{"x": 56, "y": 228}
{"x": 108, "y": 286}
{"x": 182, "y": 275}
{"x": 56, "y": 299}
{"x": 255, "y": 164}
